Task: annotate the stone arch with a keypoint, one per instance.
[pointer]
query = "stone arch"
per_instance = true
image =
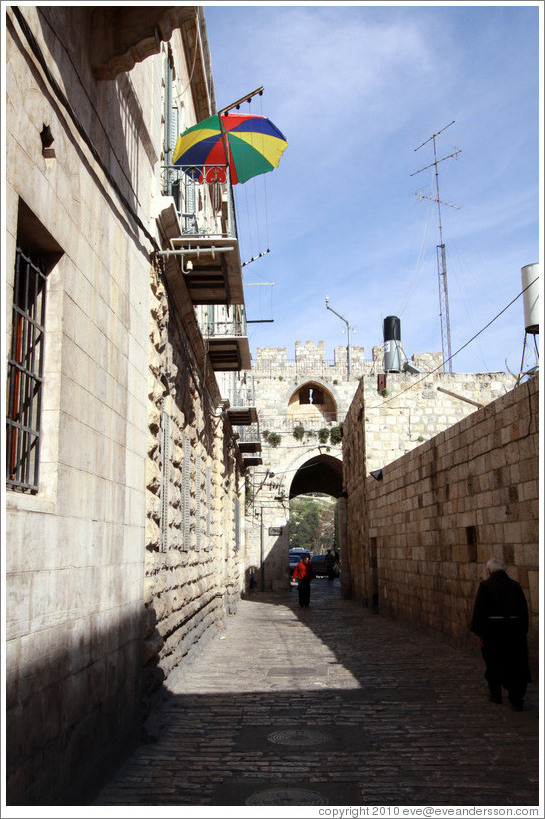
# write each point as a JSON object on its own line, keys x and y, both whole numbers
{"x": 312, "y": 401}
{"x": 317, "y": 471}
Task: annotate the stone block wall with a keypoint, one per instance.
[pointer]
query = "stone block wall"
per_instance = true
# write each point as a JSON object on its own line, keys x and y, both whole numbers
{"x": 105, "y": 585}
{"x": 419, "y": 538}
{"x": 192, "y": 562}
{"x": 75, "y": 546}
{"x": 406, "y": 409}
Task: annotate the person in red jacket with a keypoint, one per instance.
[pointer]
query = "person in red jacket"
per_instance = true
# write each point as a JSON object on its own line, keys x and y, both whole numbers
{"x": 303, "y": 574}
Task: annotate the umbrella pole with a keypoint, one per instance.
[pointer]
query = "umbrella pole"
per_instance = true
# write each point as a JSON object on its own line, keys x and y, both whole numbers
{"x": 222, "y": 129}
{"x": 225, "y": 144}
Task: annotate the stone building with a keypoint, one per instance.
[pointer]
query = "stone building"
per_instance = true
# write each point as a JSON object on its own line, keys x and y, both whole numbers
{"x": 421, "y": 529}
{"x": 302, "y": 404}
{"x": 125, "y": 476}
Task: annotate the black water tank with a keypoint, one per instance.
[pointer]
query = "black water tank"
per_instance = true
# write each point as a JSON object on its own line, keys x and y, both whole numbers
{"x": 392, "y": 344}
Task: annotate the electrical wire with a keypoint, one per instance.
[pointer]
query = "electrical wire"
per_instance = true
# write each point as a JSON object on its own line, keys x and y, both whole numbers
{"x": 419, "y": 261}
{"x": 459, "y": 350}
{"x": 198, "y": 43}
{"x": 36, "y": 50}
{"x": 38, "y": 53}
{"x": 89, "y": 100}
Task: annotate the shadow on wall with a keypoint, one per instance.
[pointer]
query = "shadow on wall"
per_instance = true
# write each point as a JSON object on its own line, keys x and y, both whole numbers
{"x": 72, "y": 716}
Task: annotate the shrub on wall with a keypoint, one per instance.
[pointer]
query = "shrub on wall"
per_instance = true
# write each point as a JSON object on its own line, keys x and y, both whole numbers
{"x": 298, "y": 432}
{"x": 323, "y": 435}
{"x": 274, "y": 439}
{"x": 335, "y": 435}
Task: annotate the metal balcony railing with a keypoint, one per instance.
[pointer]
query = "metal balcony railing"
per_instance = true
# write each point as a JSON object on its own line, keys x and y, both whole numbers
{"x": 249, "y": 435}
{"x": 228, "y": 325}
{"x": 282, "y": 423}
{"x": 237, "y": 388}
{"x": 205, "y": 209}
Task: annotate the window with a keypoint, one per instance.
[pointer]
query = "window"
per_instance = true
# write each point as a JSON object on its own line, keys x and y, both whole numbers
{"x": 186, "y": 495}
{"x": 198, "y": 494}
{"x": 25, "y": 372}
{"x": 208, "y": 505}
{"x": 311, "y": 395}
{"x": 237, "y": 524}
{"x": 165, "y": 475}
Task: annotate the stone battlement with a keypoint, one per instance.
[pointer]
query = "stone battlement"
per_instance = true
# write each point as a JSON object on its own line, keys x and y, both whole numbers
{"x": 310, "y": 359}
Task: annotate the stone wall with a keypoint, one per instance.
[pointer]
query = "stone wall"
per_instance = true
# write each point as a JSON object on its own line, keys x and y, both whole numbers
{"x": 419, "y": 538}
{"x": 193, "y": 487}
{"x": 126, "y": 553}
{"x": 75, "y": 547}
{"x": 401, "y": 411}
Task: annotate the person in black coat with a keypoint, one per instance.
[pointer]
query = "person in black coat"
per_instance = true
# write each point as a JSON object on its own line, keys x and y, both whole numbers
{"x": 500, "y": 621}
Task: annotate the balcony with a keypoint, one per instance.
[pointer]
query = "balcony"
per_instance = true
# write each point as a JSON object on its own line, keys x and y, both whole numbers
{"x": 249, "y": 440}
{"x": 237, "y": 389}
{"x": 249, "y": 445}
{"x": 226, "y": 337}
{"x": 206, "y": 241}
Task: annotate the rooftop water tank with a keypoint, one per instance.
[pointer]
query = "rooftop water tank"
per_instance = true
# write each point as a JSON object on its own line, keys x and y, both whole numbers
{"x": 530, "y": 286}
{"x": 392, "y": 344}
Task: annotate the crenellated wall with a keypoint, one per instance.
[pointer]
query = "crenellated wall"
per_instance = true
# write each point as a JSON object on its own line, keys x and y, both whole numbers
{"x": 401, "y": 411}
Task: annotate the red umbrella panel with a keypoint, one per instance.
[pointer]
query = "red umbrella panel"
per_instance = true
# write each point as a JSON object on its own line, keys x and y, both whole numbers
{"x": 253, "y": 143}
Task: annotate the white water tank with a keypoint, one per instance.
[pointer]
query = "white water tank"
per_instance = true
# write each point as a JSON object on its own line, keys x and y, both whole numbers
{"x": 530, "y": 286}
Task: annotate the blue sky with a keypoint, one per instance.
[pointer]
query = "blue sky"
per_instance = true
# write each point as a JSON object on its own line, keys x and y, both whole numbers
{"x": 356, "y": 89}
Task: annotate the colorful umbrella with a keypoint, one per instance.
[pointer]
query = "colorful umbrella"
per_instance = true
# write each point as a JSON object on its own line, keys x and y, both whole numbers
{"x": 253, "y": 143}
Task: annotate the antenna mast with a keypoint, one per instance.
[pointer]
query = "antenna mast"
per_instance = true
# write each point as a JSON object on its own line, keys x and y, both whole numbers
{"x": 441, "y": 254}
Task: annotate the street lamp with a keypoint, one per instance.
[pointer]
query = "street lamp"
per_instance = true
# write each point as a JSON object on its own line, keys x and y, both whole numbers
{"x": 349, "y": 327}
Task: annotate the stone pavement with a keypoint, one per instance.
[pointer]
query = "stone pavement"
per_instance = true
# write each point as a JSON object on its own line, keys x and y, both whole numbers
{"x": 331, "y": 705}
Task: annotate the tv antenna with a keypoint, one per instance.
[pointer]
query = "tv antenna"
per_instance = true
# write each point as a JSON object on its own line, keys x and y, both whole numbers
{"x": 441, "y": 254}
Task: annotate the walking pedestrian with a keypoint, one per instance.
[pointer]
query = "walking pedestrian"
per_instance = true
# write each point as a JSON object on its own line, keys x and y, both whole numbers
{"x": 500, "y": 621}
{"x": 330, "y": 564}
{"x": 303, "y": 574}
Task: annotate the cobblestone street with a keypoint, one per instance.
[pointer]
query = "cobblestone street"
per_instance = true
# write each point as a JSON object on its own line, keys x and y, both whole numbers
{"x": 331, "y": 705}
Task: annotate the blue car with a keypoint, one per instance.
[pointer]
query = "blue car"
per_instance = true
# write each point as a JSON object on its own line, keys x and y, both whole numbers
{"x": 296, "y": 555}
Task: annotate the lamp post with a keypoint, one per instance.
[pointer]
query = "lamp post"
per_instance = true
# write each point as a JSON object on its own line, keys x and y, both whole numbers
{"x": 349, "y": 327}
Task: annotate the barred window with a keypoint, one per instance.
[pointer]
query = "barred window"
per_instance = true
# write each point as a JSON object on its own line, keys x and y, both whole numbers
{"x": 208, "y": 504}
{"x": 165, "y": 475}
{"x": 186, "y": 495}
{"x": 237, "y": 524}
{"x": 198, "y": 494}
{"x": 25, "y": 373}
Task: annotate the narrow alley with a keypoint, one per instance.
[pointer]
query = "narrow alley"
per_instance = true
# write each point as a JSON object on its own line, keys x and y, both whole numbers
{"x": 331, "y": 705}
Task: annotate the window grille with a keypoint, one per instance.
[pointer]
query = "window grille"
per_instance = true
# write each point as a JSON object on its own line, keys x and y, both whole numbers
{"x": 25, "y": 373}
{"x": 198, "y": 494}
{"x": 165, "y": 475}
{"x": 208, "y": 505}
{"x": 237, "y": 524}
{"x": 186, "y": 495}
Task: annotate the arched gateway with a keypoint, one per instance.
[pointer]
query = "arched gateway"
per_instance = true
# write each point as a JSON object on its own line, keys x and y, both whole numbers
{"x": 320, "y": 473}
{"x": 301, "y": 405}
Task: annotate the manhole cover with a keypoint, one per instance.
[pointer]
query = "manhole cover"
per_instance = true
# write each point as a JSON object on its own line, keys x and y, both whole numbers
{"x": 286, "y": 796}
{"x": 298, "y": 737}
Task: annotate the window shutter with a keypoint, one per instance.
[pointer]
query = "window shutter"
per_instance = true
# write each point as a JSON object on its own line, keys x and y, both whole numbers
{"x": 165, "y": 470}
{"x": 186, "y": 495}
{"x": 174, "y": 126}
{"x": 237, "y": 524}
{"x": 208, "y": 505}
{"x": 198, "y": 493}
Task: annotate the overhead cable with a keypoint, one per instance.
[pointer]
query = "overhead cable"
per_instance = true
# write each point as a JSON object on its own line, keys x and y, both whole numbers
{"x": 420, "y": 380}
